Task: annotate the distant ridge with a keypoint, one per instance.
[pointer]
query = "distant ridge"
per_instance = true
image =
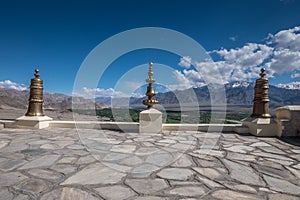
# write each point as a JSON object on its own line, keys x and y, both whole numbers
{"x": 237, "y": 93}
{"x": 14, "y": 99}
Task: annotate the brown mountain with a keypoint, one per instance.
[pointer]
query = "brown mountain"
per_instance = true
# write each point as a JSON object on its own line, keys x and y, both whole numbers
{"x": 13, "y": 99}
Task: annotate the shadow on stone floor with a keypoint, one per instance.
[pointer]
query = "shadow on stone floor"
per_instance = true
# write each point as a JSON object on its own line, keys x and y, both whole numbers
{"x": 291, "y": 140}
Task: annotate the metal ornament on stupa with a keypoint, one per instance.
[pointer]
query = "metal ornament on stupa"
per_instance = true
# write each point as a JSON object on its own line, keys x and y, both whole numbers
{"x": 35, "y": 107}
{"x": 150, "y": 89}
{"x": 261, "y": 98}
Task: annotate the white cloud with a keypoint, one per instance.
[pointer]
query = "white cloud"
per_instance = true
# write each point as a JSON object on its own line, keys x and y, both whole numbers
{"x": 186, "y": 79}
{"x": 135, "y": 88}
{"x": 242, "y": 63}
{"x": 195, "y": 78}
{"x": 279, "y": 54}
{"x": 233, "y": 38}
{"x": 235, "y": 64}
{"x": 12, "y": 85}
{"x": 284, "y": 60}
{"x": 91, "y": 93}
{"x": 209, "y": 70}
{"x": 286, "y": 55}
{"x": 247, "y": 56}
{"x": 287, "y": 39}
{"x": 133, "y": 85}
{"x": 185, "y": 61}
{"x": 183, "y": 82}
{"x": 295, "y": 75}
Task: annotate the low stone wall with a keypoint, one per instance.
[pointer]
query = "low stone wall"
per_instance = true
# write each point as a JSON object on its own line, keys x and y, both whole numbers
{"x": 287, "y": 123}
{"x": 288, "y": 118}
{"x": 134, "y": 127}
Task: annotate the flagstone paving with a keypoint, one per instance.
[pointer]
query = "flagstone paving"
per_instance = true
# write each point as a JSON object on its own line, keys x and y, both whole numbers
{"x": 56, "y": 163}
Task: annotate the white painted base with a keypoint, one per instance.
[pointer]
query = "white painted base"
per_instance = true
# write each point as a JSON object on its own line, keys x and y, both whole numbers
{"x": 241, "y": 129}
{"x": 150, "y": 121}
{"x": 264, "y": 127}
{"x": 38, "y": 122}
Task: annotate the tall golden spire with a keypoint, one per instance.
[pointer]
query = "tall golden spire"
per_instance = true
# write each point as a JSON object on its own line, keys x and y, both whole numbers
{"x": 150, "y": 89}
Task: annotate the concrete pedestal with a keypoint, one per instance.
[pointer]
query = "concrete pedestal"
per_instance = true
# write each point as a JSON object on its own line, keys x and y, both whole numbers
{"x": 150, "y": 121}
{"x": 37, "y": 122}
{"x": 264, "y": 127}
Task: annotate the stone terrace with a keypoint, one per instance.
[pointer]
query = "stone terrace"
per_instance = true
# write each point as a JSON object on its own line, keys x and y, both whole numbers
{"x": 54, "y": 163}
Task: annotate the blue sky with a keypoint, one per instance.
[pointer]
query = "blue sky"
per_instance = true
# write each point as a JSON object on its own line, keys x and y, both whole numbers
{"x": 57, "y": 36}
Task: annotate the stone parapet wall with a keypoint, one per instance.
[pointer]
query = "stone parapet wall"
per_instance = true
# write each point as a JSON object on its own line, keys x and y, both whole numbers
{"x": 288, "y": 118}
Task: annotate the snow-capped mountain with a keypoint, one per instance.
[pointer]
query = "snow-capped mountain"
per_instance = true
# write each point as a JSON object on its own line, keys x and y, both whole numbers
{"x": 238, "y": 84}
{"x": 237, "y": 93}
{"x": 290, "y": 86}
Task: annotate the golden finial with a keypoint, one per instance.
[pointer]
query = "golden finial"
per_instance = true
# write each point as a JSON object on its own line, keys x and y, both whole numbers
{"x": 262, "y": 72}
{"x": 150, "y": 89}
{"x": 37, "y": 73}
{"x": 150, "y": 74}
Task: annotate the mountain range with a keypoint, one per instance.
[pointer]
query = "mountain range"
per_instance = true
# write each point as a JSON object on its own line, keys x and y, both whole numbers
{"x": 14, "y": 99}
{"x": 237, "y": 93}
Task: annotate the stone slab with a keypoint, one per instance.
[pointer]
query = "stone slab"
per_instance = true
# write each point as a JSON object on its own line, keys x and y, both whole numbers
{"x": 41, "y": 162}
{"x": 147, "y": 186}
{"x": 176, "y": 174}
{"x": 115, "y": 192}
{"x": 242, "y": 173}
{"x": 33, "y": 186}
{"x": 282, "y": 185}
{"x": 229, "y": 195}
{"x": 95, "y": 174}
{"x": 11, "y": 178}
{"x": 188, "y": 191}
{"x": 6, "y": 195}
{"x": 69, "y": 194}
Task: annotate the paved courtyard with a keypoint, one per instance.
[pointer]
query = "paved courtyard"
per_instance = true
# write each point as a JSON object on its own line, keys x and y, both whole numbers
{"x": 100, "y": 164}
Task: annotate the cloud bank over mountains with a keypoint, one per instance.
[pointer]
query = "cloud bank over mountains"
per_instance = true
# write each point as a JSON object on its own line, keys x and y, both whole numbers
{"x": 12, "y": 85}
{"x": 280, "y": 53}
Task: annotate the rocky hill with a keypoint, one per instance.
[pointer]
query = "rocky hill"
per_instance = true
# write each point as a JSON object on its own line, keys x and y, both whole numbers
{"x": 13, "y": 99}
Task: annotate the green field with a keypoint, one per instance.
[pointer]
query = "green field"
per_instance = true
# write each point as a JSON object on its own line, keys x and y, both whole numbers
{"x": 189, "y": 117}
